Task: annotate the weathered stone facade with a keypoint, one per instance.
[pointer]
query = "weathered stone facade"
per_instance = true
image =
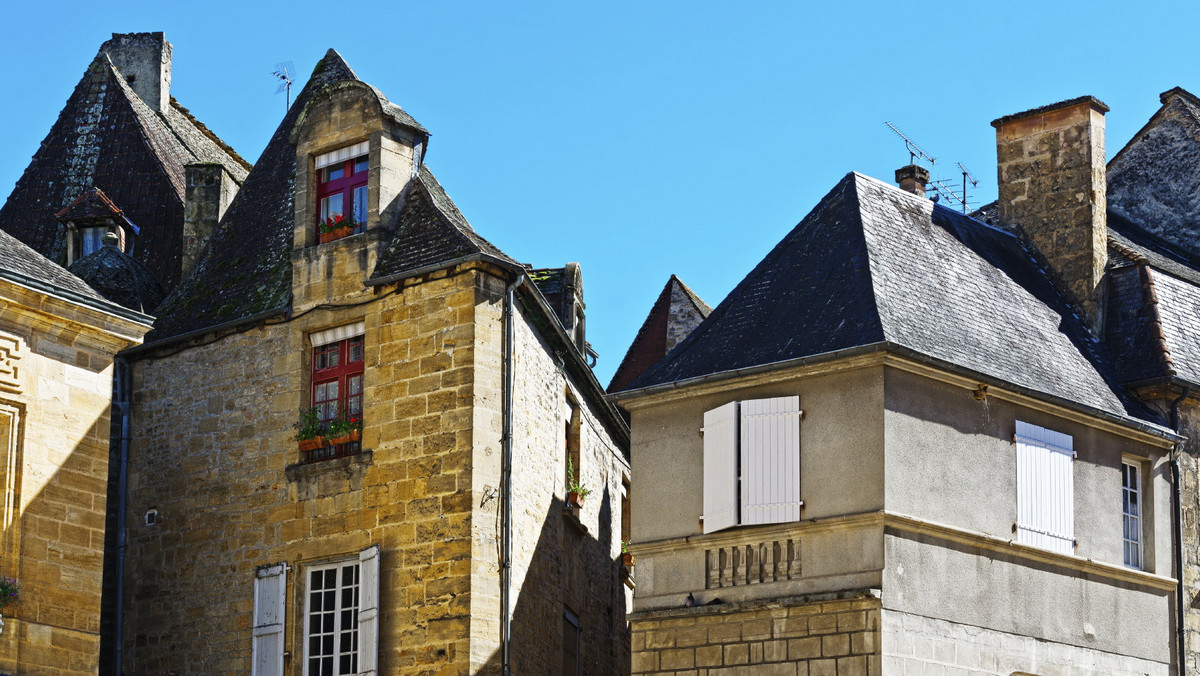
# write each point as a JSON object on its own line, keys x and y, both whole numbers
{"x": 56, "y": 369}
{"x": 232, "y": 494}
{"x": 829, "y": 635}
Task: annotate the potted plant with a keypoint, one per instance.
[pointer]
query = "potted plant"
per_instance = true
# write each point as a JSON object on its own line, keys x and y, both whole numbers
{"x": 10, "y": 592}
{"x": 626, "y": 557}
{"x": 311, "y": 431}
{"x": 576, "y": 492}
{"x": 344, "y": 430}
{"x": 336, "y": 227}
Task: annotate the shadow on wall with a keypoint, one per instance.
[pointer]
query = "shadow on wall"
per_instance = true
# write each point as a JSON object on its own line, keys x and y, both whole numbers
{"x": 53, "y": 544}
{"x": 573, "y": 573}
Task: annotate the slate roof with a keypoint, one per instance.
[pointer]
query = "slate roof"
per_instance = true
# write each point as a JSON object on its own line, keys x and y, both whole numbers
{"x": 1154, "y": 181}
{"x": 872, "y": 264}
{"x": 430, "y": 230}
{"x": 106, "y": 136}
{"x": 652, "y": 341}
{"x": 1153, "y": 324}
{"x": 120, "y": 278}
{"x": 245, "y": 269}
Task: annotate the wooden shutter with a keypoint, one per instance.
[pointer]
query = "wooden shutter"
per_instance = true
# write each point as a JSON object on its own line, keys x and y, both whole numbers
{"x": 368, "y": 611}
{"x": 270, "y": 592}
{"x": 770, "y": 460}
{"x": 1045, "y": 488}
{"x": 720, "y": 467}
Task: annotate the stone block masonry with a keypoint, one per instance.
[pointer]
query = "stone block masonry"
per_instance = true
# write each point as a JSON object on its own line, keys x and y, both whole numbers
{"x": 835, "y": 637}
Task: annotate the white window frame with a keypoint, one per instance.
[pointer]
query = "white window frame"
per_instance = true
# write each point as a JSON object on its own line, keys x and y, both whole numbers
{"x": 752, "y": 463}
{"x": 1132, "y": 515}
{"x": 366, "y": 622}
{"x": 1045, "y": 488}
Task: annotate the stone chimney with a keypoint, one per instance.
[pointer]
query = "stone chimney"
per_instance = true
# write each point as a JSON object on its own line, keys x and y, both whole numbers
{"x": 912, "y": 178}
{"x": 1050, "y": 170}
{"x": 209, "y": 191}
{"x": 144, "y": 60}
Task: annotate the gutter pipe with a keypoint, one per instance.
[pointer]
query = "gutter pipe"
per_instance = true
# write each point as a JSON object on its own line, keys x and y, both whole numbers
{"x": 122, "y": 381}
{"x": 1177, "y": 496}
{"x": 506, "y": 480}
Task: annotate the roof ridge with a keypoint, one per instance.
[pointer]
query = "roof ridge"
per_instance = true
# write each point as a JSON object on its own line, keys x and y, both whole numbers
{"x": 210, "y": 134}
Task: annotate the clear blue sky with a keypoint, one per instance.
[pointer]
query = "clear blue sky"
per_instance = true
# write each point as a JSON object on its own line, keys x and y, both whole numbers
{"x": 640, "y": 139}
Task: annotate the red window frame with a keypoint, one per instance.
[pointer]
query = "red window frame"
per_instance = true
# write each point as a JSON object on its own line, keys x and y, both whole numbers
{"x": 347, "y": 179}
{"x": 337, "y": 386}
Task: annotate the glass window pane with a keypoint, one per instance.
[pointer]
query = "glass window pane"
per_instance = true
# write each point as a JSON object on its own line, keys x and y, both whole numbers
{"x": 334, "y": 172}
{"x": 356, "y": 349}
{"x": 331, "y": 206}
{"x": 359, "y": 198}
{"x": 361, "y": 164}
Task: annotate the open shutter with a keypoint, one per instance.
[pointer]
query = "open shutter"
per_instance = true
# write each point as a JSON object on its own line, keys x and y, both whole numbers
{"x": 368, "y": 611}
{"x": 1045, "y": 488}
{"x": 770, "y": 460}
{"x": 270, "y": 587}
{"x": 720, "y": 467}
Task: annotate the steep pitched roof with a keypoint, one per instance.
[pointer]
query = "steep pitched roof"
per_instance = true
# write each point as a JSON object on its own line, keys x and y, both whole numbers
{"x": 430, "y": 230}
{"x": 245, "y": 268}
{"x": 872, "y": 264}
{"x": 1154, "y": 181}
{"x": 675, "y": 314}
{"x": 106, "y": 136}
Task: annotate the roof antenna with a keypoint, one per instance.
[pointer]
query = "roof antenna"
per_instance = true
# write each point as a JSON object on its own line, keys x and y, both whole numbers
{"x": 914, "y": 150}
{"x": 285, "y": 71}
{"x": 966, "y": 177}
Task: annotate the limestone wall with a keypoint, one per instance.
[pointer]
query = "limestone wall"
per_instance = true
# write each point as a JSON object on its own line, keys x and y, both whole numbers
{"x": 913, "y": 644}
{"x": 564, "y": 559}
{"x": 827, "y": 636}
{"x": 214, "y": 453}
{"x": 56, "y": 364}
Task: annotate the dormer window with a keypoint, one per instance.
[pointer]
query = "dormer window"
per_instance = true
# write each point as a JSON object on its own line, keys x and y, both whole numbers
{"x": 342, "y": 189}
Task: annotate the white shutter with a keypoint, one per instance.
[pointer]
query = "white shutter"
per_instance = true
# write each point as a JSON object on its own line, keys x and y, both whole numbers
{"x": 270, "y": 587}
{"x": 720, "y": 467}
{"x": 770, "y": 460}
{"x": 1045, "y": 488}
{"x": 368, "y": 611}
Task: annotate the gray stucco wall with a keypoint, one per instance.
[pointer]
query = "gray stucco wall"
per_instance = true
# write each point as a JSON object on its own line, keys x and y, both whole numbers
{"x": 841, "y": 451}
{"x": 952, "y": 460}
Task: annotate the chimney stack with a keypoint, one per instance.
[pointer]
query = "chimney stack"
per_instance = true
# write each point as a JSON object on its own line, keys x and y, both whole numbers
{"x": 912, "y": 178}
{"x": 209, "y": 191}
{"x": 1050, "y": 170}
{"x": 144, "y": 60}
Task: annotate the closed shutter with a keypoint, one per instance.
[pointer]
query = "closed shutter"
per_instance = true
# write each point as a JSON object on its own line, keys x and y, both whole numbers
{"x": 270, "y": 587}
{"x": 368, "y": 611}
{"x": 770, "y": 460}
{"x": 720, "y": 467}
{"x": 1045, "y": 488}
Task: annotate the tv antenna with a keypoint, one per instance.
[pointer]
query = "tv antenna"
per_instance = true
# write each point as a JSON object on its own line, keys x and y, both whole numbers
{"x": 285, "y": 71}
{"x": 966, "y": 178}
{"x": 914, "y": 150}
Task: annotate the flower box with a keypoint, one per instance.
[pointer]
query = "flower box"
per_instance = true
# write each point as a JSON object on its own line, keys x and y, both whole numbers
{"x": 575, "y": 498}
{"x": 312, "y": 444}
{"x": 351, "y": 436}
{"x": 332, "y": 235}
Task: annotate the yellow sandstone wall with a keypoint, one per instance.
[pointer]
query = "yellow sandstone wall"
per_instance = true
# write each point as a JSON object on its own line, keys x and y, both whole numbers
{"x": 56, "y": 366}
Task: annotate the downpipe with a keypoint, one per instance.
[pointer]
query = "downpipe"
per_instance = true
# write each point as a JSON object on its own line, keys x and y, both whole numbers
{"x": 122, "y": 405}
{"x": 506, "y": 481}
{"x": 1177, "y": 495}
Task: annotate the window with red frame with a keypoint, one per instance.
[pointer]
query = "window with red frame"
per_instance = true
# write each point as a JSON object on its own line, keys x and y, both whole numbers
{"x": 337, "y": 390}
{"x": 342, "y": 192}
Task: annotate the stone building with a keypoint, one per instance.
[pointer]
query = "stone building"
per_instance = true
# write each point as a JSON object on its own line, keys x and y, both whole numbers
{"x": 58, "y": 339}
{"x": 438, "y": 538}
{"x": 121, "y": 131}
{"x": 913, "y": 441}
